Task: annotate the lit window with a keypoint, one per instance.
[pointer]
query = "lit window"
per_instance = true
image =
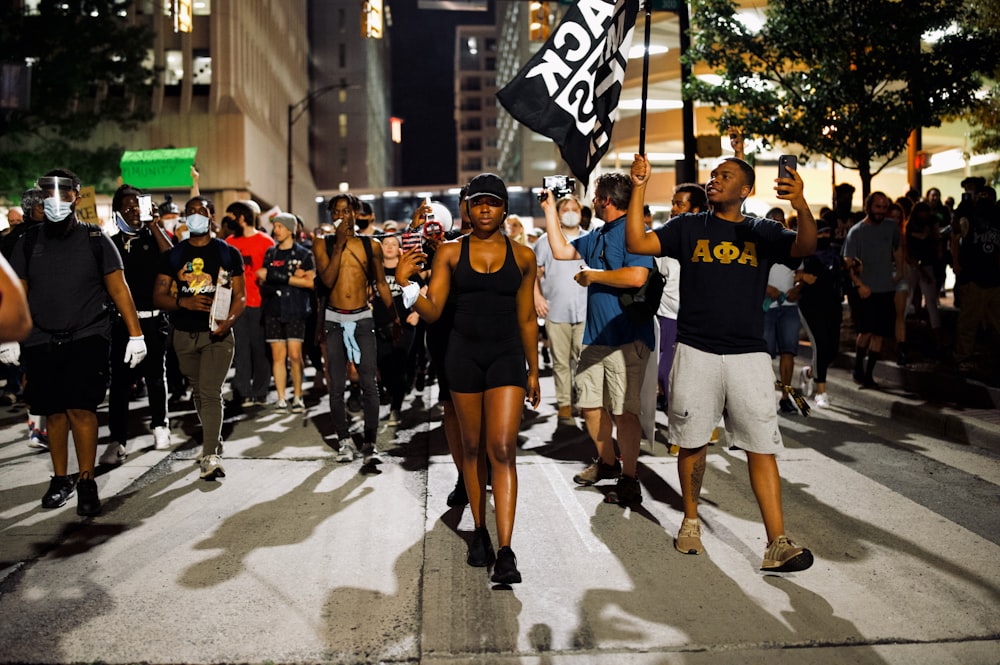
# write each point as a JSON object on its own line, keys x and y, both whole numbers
{"x": 201, "y": 67}
{"x": 173, "y": 74}
{"x": 342, "y": 123}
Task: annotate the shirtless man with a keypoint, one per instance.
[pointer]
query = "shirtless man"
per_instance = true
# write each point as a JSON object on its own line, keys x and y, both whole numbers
{"x": 344, "y": 266}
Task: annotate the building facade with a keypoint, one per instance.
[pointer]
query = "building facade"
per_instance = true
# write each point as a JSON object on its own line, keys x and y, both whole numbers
{"x": 475, "y": 100}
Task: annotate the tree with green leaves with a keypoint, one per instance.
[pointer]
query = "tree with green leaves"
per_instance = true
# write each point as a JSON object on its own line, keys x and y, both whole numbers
{"x": 985, "y": 116}
{"x": 848, "y": 80}
{"x": 88, "y": 65}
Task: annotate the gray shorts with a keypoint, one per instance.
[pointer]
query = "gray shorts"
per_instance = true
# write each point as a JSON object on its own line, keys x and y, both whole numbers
{"x": 739, "y": 387}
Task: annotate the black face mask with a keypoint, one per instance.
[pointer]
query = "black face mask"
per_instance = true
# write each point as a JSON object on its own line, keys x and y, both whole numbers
{"x": 233, "y": 225}
{"x": 361, "y": 223}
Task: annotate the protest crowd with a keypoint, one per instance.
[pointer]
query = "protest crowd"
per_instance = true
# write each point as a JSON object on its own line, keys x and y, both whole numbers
{"x": 228, "y": 309}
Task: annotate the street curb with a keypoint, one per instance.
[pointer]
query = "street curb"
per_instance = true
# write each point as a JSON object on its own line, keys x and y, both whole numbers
{"x": 957, "y": 425}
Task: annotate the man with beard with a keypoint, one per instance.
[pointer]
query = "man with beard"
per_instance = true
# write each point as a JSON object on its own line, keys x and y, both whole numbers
{"x": 253, "y": 371}
{"x": 615, "y": 349}
{"x": 69, "y": 270}
{"x": 876, "y": 246}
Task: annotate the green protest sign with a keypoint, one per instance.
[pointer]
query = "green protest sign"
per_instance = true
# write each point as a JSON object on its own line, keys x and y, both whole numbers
{"x": 153, "y": 169}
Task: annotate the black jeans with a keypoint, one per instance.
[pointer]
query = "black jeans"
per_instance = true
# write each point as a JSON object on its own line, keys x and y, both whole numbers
{"x": 152, "y": 369}
{"x": 253, "y": 370}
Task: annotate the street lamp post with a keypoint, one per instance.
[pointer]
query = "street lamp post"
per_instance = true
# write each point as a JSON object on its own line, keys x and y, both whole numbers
{"x": 295, "y": 111}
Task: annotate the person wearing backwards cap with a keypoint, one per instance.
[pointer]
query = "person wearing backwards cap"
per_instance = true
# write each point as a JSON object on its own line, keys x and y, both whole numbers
{"x": 286, "y": 280}
{"x": 491, "y": 361}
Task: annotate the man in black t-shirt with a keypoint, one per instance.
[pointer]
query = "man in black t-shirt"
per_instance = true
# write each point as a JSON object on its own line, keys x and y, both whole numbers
{"x": 721, "y": 365}
{"x": 69, "y": 270}
{"x": 140, "y": 243}
{"x": 286, "y": 279}
{"x": 197, "y": 268}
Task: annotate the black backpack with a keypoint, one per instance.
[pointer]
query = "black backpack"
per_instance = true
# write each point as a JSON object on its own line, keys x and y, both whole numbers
{"x": 641, "y": 303}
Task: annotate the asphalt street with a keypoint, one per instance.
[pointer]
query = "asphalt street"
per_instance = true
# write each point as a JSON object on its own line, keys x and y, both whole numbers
{"x": 296, "y": 558}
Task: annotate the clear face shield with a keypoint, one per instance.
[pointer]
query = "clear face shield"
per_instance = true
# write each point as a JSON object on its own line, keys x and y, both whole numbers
{"x": 60, "y": 196}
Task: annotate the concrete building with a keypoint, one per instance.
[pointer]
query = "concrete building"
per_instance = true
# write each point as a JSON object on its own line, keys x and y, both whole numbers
{"x": 475, "y": 100}
{"x": 225, "y": 89}
{"x": 349, "y": 134}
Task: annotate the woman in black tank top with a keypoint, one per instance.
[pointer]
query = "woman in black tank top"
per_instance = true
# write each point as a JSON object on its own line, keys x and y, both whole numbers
{"x": 492, "y": 361}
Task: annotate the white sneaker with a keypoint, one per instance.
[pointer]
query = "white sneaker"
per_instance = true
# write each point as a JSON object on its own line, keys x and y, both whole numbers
{"x": 281, "y": 405}
{"x": 161, "y": 438}
{"x": 806, "y": 384}
{"x": 298, "y": 406}
{"x": 113, "y": 455}
{"x": 822, "y": 401}
{"x": 37, "y": 439}
{"x": 371, "y": 455}
{"x": 348, "y": 452}
{"x": 393, "y": 418}
{"x": 211, "y": 467}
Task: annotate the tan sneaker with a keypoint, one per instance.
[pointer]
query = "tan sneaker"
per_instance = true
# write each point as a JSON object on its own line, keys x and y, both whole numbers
{"x": 784, "y": 556}
{"x": 598, "y": 471}
{"x": 688, "y": 539}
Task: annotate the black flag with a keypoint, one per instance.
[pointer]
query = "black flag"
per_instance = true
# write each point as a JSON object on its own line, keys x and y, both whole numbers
{"x": 569, "y": 90}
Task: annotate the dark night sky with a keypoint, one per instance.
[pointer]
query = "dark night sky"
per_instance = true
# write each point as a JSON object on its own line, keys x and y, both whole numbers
{"x": 423, "y": 88}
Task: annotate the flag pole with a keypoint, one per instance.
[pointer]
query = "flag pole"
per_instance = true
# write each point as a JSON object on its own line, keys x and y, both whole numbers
{"x": 645, "y": 78}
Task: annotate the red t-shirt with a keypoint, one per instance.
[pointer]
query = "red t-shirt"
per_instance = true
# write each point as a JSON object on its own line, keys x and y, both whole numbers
{"x": 252, "y": 249}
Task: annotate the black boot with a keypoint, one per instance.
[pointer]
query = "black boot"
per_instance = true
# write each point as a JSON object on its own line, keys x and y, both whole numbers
{"x": 481, "y": 550}
{"x": 859, "y": 365}
{"x": 458, "y": 496}
{"x": 869, "y": 382}
{"x": 87, "y": 501}
{"x": 902, "y": 357}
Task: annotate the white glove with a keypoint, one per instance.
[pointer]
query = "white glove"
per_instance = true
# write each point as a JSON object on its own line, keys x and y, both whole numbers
{"x": 135, "y": 351}
{"x": 10, "y": 353}
{"x": 410, "y": 294}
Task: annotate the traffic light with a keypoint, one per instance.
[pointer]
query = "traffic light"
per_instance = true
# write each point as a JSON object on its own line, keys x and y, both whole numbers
{"x": 538, "y": 20}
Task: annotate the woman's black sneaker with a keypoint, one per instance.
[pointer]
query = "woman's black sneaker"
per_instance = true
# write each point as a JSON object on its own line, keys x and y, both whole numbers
{"x": 481, "y": 550}
{"x": 505, "y": 571}
{"x": 59, "y": 492}
{"x": 87, "y": 501}
{"x": 458, "y": 497}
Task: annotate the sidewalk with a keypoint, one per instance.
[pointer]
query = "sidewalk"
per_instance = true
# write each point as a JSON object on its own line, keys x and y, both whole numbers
{"x": 932, "y": 395}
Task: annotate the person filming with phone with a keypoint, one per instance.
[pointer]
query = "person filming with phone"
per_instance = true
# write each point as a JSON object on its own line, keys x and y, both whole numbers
{"x": 721, "y": 365}
{"x": 140, "y": 241}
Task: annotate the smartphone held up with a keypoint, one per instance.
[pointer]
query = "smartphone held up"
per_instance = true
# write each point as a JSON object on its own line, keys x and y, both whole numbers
{"x": 786, "y": 162}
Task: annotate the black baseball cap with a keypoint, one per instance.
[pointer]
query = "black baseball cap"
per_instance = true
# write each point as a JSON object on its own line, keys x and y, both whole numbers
{"x": 487, "y": 184}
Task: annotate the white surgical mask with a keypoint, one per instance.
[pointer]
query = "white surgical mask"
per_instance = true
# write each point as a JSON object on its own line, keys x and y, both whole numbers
{"x": 56, "y": 210}
{"x": 197, "y": 224}
{"x": 123, "y": 226}
{"x": 571, "y": 219}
